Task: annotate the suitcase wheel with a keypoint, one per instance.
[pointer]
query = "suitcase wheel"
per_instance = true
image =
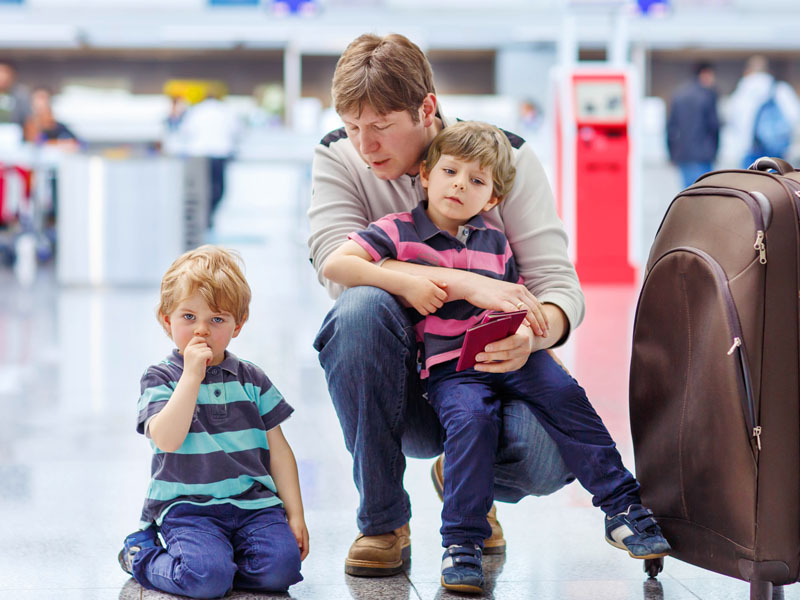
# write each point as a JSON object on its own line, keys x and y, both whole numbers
{"x": 653, "y": 566}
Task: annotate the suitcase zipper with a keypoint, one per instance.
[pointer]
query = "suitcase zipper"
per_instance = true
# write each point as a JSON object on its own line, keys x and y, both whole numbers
{"x": 759, "y": 207}
{"x": 737, "y": 346}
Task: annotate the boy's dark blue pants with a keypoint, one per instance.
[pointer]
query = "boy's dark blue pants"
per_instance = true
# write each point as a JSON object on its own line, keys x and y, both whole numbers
{"x": 469, "y": 405}
{"x": 212, "y": 548}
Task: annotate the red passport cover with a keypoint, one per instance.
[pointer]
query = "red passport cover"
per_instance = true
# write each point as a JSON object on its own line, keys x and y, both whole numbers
{"x": 495, "y": 326}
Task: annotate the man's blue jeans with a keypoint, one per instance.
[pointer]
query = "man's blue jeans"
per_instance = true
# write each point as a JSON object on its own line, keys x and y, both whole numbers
{"x": 468, "y": 404}
{"x": 367, "y": 348}
{"x": 690, "y": 171}
{"x": 211, "y": 549}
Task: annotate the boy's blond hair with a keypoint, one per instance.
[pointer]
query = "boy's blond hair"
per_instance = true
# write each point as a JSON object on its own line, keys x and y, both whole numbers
{"x": 213, "y": 272}
{"x": 481, "y": 142}
{"x": 387, "y": 73}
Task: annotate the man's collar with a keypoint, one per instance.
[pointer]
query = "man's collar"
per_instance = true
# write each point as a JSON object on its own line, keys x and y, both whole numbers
{"x": 230, "y": 363}
{"x": 427, "y": 228}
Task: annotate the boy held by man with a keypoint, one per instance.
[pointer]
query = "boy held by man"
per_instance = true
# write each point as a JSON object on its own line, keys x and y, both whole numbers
{"x": 224, "y": 493}
{"x": 467, "y": 171}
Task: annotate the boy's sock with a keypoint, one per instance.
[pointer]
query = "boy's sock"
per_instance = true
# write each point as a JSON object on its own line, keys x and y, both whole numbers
{"x": 462, "y": 568}
{"x": 636, "y": 531}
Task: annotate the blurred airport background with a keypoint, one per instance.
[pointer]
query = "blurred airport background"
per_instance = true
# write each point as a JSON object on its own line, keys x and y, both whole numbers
{"x": 141, "y": 109}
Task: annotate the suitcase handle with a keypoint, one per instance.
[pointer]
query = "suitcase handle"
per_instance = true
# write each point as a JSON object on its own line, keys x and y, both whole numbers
{"x": 765, "y": 163}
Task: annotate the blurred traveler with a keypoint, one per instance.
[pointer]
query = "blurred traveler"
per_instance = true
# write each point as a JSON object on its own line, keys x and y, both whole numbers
{"x": 41, "y": 126}
{"x": 383, "y": 90}
{"x": 211, "y": 129}
{"x": 763, "y": 113}
{"x": 15, "y": 102}
{"x": 693, "y": 125}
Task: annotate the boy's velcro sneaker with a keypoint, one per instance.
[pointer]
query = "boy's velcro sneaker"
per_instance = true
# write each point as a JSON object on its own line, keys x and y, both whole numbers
{"x": 462, "y": 569}
{"x": 144, "y": 538}
{"x": 636, "y": 531}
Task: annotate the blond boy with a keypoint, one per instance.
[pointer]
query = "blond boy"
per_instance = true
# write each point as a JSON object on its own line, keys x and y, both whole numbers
{"x": 224, "y": 493}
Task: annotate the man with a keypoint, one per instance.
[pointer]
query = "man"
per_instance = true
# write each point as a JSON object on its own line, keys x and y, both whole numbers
{"x": 383, "y": 90}
{"x": 755, "y": 87}
{"x": 15, "y": 103}
{"x": 693, "y": 126}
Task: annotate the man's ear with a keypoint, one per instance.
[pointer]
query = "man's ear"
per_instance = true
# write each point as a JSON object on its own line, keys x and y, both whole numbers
{"x": 237, "y": 329}
{"x": 428, "y": 109}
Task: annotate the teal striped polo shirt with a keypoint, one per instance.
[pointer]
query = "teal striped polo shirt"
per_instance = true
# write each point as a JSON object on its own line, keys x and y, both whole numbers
{"x": 225, "y": 456}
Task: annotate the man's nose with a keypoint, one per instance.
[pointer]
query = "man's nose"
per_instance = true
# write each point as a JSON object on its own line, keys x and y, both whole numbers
{"x": 201, "y": 329}
{"x": 369, "y": 143}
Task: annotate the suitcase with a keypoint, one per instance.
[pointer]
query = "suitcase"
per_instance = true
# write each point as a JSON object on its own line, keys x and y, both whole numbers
{"x": 714, "y": 392}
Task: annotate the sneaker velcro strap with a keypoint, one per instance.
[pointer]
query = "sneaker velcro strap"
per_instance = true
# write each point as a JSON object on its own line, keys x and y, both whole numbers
{"x": 641, "y": 519}
{"x": 467, "y": 560}
{"x": 463, "y": 551}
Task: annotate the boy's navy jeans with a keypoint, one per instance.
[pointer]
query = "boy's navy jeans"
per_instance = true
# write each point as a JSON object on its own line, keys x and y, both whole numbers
{"x": 468, "y": 404}
{"x": 368, "y": 351}
{"x": 211, "y": 549}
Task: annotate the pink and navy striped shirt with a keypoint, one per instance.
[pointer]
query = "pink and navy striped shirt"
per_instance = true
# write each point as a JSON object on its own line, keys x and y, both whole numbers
{"x": 479, "y": 248}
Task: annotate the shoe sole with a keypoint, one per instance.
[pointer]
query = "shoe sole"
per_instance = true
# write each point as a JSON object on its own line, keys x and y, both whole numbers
{"x": 368, "y": 568}
{"x": 645, "y": 557}
{"x": 493, "y": 548}
{"x": 468, "y": 589}
{"x": 122, "y": 562}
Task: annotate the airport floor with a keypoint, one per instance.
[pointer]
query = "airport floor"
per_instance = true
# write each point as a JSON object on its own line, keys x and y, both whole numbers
{"x": 73, "y": 470}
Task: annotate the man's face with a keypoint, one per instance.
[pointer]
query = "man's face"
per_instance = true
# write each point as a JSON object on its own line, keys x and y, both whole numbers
{"x": 6, "y": 77}
{"x": 390, "y": 144}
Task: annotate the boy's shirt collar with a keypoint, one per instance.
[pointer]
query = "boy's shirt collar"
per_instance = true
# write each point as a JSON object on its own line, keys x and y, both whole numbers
{"x": 230, "y": 363}
{"x": 427, "y": 228}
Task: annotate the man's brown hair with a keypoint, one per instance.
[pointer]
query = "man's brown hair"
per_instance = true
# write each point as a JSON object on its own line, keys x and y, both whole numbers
{"x": 481, "y": 142}
{"x": 387, "y": 73}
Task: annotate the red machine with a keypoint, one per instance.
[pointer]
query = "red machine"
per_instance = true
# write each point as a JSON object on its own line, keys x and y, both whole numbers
{"x": 594, "y": 170}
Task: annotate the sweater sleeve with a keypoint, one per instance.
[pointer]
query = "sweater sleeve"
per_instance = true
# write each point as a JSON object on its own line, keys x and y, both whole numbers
{"x": 539, "y": 241}
{"x": 338, "y": 207}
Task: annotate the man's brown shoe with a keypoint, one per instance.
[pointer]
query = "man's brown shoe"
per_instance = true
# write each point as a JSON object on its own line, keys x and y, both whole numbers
{"x": 379, "y": 555}
{"x": 495, "y": 543}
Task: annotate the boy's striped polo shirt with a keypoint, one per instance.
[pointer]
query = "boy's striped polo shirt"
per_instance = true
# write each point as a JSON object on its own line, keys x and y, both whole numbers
{"x": 478, "y": 248}
{"x": 225, "y": 456}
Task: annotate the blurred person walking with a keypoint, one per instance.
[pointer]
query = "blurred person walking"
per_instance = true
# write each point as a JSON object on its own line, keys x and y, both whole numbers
{"x": 210, "y": 129}
{"x": 693, "y": 125}
{"x": 15, "y": 102}
{"x": 763, "y": 114}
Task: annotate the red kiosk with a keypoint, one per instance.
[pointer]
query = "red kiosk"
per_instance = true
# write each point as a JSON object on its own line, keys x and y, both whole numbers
{"x": 593, "y": 170}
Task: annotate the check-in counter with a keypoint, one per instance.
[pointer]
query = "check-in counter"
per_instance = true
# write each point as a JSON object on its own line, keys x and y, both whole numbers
{"x": 123, "y": 221}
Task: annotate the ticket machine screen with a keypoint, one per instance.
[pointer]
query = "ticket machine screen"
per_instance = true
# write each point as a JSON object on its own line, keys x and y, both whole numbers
{"x": 600, "y": 101}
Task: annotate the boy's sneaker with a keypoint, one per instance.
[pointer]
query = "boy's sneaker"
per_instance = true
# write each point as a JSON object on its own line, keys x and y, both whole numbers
{"x": 144, "y": 538}
{"x": 461, "y": 568}
{"x": 636, "y": 531}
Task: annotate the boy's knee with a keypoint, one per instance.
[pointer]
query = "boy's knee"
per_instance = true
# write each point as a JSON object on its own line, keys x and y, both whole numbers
{"x": 278, "y": 573}
{"x": 207, "y": 576}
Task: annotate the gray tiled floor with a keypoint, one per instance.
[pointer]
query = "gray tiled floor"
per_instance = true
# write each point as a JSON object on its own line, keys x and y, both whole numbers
{"x": 73, "y": 471}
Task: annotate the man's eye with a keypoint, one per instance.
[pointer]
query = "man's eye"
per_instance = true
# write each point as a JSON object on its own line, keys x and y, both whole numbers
{"x": 188, "y": 317}
{"x": 383, "y": 127}
{"x": 477, "y": 182}
{"x": 449, "y": 171}
{"x": 218, "y": 320}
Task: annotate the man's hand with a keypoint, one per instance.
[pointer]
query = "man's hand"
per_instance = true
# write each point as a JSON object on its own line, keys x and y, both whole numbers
{"x": 512, "y": 352}
{"x": 197, "y": 356}
{"x": 300, "y": 531}
{"x": 425, "y": 295}
{"x": 494, "y": 294}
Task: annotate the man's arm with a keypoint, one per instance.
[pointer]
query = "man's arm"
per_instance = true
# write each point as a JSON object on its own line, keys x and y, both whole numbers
{"x": 337, "y": 209}
{"x": 350, "y": 265}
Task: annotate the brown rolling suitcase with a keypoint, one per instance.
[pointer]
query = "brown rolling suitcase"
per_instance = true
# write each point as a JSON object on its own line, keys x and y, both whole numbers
{"x": 714, "y": 391}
